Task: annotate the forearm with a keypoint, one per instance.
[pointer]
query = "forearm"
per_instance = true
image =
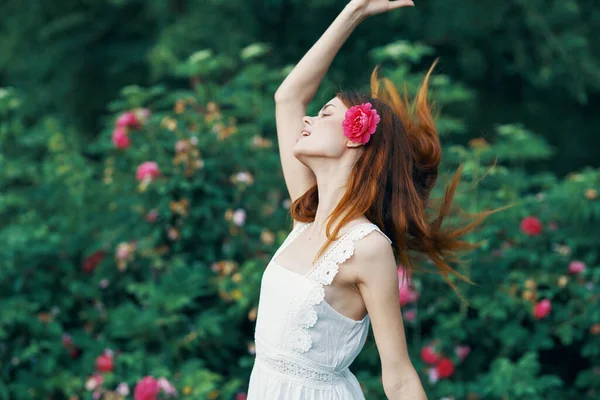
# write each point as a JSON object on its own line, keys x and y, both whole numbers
{"x": 407, "y": 387}
{"x": 303, "y": 81}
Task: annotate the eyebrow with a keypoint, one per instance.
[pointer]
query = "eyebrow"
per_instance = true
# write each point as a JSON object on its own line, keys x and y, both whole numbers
{"x": 327, "y": 105}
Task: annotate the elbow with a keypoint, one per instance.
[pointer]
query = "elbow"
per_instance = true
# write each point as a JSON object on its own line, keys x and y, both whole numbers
{"x": 285, "y": 97}
{"x": 279, "y": 96}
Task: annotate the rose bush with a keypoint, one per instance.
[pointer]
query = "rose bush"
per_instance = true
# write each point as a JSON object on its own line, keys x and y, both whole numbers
{"x": 117, "y": 276}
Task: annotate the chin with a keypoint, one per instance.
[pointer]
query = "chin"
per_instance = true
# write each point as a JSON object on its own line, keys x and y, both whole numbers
{"x": 301, "y": 155}
{"x": 298, "y": 151}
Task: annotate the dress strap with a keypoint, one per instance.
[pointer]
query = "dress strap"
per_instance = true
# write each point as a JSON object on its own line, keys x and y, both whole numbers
{"x": 380, "y": 231}
{"x": 327, "y": 266}
{"x": 294, "y": 233}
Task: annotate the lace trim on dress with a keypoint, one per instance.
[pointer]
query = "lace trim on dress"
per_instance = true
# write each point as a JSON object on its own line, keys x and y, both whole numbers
{"x": 289, "y": 367}
{"x": 303, "y": 315}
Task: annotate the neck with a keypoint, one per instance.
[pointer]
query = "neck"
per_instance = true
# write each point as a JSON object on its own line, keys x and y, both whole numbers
{"x": 331, "y": 190}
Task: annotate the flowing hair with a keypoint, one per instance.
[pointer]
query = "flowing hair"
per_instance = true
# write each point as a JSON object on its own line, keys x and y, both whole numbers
{"x": 391, "y": 182}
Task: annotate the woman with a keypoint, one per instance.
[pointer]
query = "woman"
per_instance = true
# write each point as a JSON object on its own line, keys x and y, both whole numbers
{"x": 362, "y": 165}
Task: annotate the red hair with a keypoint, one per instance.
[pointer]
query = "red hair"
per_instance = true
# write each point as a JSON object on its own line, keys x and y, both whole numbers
{"x": 391, "y": 182}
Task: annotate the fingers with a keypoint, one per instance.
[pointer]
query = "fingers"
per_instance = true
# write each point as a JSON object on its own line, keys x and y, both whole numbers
{"x": 401, "y": 3}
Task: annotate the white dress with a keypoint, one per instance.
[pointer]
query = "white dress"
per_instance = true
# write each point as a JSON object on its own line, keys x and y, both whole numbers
{"x": 304, "y": 346}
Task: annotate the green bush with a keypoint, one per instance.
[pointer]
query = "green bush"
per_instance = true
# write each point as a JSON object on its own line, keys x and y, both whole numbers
{"x": 107, "y": 275}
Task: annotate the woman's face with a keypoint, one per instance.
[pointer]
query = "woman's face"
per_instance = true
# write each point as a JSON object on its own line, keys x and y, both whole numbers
{"x": 323, "y": 135}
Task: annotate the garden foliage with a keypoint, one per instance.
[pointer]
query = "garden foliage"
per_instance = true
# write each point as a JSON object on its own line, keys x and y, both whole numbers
{"x": 131, "y": 264}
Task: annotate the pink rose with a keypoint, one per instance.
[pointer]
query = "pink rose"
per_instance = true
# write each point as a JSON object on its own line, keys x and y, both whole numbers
{"x": 146, "y": 389}
{"x": 67, "y": 340}
{"x": 410, "y": 315}
{"x": 531, "y": 226}
{"x": 166, "y": 387}
{"x": 181, "y": 146}
{"x": 576, "y": 267}
{"x": 241, "y": 396}
{"x": 142, "y": 115}
{"x": 542, "y": 309}
{"x": 120, "y": 138}
{"x": 406, "y": 293}
{"x": 462, "y": 351}
{"x": 128, "y": 120}
{"x": 407, "y": 296}
{"x": 152, "y": 215}
{"x": 124, "y": 251}
{"x": 94, "y": 382}
{"x": 122, "y": 389}
{"x": 360, "y": 122}
{"x": 432, "y": 373}
{"x": 148, "y": 169}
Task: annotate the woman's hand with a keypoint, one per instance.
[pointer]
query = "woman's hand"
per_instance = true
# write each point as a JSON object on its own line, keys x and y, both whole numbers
{"x": 374, "y": 7}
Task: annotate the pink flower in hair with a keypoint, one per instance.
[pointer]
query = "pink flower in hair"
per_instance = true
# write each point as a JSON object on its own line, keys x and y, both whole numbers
{"x": 360, "y": 123}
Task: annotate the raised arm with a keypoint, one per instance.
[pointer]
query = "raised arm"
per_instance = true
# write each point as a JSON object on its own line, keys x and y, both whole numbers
{"x": 299, "y": 87}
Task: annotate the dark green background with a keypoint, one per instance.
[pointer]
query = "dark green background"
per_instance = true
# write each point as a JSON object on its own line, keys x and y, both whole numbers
{"x": 529, "y": 61}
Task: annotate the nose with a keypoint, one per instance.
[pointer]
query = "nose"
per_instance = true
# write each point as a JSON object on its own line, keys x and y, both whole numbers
{"x": 307, "y": 120}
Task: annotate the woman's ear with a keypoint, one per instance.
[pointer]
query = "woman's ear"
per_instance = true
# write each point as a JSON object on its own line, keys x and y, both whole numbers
{"x": 350, "y": 143}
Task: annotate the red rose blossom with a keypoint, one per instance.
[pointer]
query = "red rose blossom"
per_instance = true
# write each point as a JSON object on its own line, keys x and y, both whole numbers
{"x": 531, "y": 226}
{"x": 429, "y": 355}
{"x": 444, "y": 368}
{"x": 74, "y": 352}
{"x": 104, "y": 363}
{"x": 92, "y": 261}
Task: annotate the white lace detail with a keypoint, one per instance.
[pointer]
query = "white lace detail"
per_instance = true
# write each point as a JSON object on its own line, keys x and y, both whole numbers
{"x": 328, "y": 266}
{"x": 303, "y": 315}
{"x": 288, "y": 367}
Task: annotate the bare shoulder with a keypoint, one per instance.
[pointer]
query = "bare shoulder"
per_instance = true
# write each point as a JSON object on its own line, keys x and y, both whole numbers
{"x": 373, "y": 258}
